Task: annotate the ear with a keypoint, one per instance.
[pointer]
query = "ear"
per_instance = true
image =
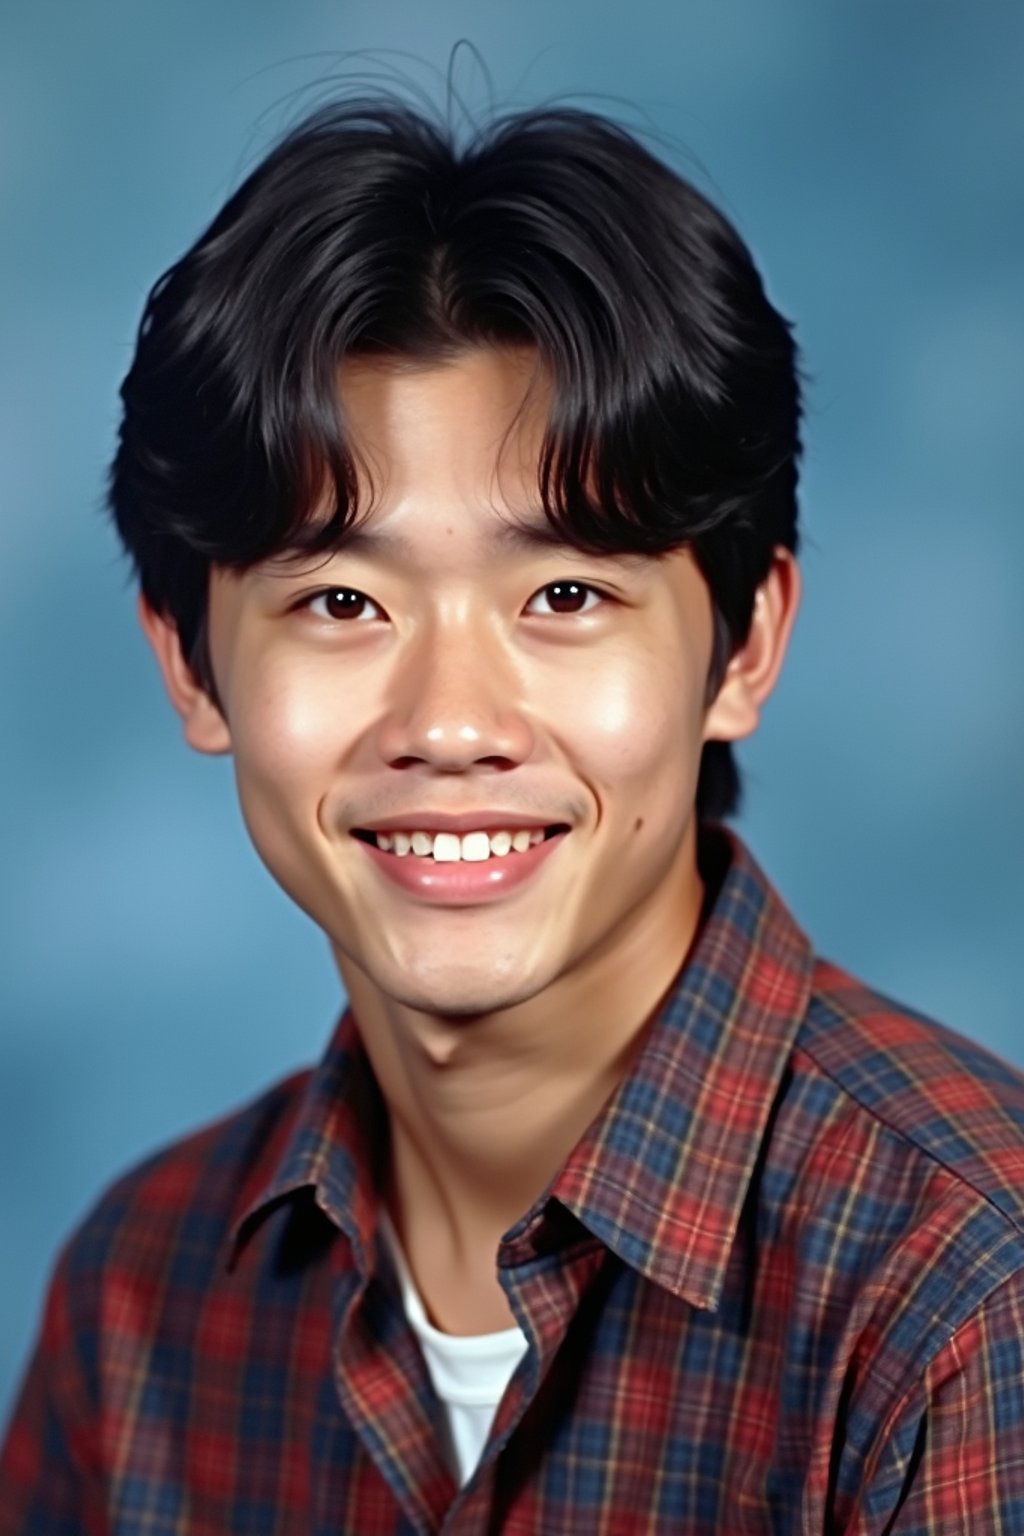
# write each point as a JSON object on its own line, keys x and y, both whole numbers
{"x": 205, "y": 727}
{"x": 752, "y": 671}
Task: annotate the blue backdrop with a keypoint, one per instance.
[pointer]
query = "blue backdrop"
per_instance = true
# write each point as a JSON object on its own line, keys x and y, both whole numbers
{"x": 152, "y": 974}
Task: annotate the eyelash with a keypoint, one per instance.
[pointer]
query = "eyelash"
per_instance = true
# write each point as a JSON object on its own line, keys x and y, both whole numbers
{"x": 579, "y": 586}
{"x": 310, "y": 602}
{"x": 329, "y": 592}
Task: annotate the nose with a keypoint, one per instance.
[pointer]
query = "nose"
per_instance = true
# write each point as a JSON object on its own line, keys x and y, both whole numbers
{"x": 456, "y": 701}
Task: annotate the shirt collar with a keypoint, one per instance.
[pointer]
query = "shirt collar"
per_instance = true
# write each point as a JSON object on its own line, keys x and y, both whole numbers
{"x": 661, "y": 1175}
{"x": 333, "y": 1142}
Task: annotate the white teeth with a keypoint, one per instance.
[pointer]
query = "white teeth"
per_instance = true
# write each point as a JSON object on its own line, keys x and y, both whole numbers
{"x": 475, "y": 847}
{"x": 450, "y": 848}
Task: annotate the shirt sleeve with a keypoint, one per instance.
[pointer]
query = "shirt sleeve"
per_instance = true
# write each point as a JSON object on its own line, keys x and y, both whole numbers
{"x": 954, "y": 1465}
{"x": 49, "y": 1467}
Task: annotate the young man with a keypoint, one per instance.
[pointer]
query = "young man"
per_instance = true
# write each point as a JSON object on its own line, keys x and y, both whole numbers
{"x": 460, "y": 484}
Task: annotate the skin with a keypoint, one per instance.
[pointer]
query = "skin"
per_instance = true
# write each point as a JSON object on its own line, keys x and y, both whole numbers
{"x": 497, "y": 1031}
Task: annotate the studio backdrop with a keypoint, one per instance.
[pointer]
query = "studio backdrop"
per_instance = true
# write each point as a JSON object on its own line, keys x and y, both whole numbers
{"x": 153, "y": 976}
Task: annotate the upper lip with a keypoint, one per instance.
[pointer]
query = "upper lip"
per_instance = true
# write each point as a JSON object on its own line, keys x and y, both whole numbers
{"x": 447, "y": 821}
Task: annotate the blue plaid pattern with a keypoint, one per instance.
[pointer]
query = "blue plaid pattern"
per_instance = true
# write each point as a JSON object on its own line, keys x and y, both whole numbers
{"x": 778, "y": 1286}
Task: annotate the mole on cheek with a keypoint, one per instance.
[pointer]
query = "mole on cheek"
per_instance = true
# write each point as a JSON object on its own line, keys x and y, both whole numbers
{"x": 639, "y": 824}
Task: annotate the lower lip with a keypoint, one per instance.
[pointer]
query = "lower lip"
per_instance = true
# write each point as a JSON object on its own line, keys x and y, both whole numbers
{"x": 462, "y": 883}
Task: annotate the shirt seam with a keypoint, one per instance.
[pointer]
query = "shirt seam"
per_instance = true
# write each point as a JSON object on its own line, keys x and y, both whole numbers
{"x": 957, "y": 1175}
{"x": 916, "y": 1384}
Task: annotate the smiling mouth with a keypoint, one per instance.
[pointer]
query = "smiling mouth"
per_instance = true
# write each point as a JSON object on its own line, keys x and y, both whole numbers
{"x": 454, "y": 848}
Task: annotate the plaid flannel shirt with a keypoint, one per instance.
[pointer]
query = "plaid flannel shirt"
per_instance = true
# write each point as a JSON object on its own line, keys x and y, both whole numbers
{"x": 778, "y": 1286}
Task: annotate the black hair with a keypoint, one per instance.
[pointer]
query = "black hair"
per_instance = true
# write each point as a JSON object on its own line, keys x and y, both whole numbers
{"x": 369, "y": 230}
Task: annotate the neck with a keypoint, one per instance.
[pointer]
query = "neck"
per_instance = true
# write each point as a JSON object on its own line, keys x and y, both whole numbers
{"x": 484, "y": 1111}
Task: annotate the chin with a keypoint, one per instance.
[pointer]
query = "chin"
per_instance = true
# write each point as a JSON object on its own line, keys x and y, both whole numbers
{"x": 456, "y": 991}
{"x": 465, "y": 1000}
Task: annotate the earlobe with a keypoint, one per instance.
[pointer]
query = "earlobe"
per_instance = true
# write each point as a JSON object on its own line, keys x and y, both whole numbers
{"x": 753, "y": 670}
{"x": 206, "y": 730}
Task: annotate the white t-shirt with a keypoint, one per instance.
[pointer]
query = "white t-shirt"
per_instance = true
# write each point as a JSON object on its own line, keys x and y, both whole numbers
{"x": 469, "y": 1372}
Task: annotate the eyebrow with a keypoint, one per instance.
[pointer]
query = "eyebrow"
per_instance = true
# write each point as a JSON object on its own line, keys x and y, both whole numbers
{"x": 518, "y": 537}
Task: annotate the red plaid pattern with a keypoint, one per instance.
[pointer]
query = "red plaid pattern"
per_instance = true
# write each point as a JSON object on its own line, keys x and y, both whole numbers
{"x": 778, "y": 1287}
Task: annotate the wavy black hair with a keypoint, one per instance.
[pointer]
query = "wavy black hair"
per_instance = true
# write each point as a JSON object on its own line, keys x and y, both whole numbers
{"x": 370, "y": 230}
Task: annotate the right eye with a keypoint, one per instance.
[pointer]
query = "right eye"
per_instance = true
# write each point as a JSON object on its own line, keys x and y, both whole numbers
{"x": 342, "y": 603}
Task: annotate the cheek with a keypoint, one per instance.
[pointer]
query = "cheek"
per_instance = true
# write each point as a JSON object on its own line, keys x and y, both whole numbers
{"x": 636, "y": 717}
{"x": 291, "y": 729}
{"x": 287, "y": 741}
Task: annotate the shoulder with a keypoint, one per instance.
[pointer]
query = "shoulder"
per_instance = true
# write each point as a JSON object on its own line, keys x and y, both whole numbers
{"x": 887, "y": 1205}
{"x": 899, "y": 1152}
{"x": 946, "y": 1098}
{"x": 179, "y": 1205}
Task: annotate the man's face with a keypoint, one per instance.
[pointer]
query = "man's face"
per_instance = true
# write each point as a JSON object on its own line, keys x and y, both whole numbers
{"x": 441, "y": 670}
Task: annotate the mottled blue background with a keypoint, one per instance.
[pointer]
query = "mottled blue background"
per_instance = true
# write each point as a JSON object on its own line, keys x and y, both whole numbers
{"x": 870, "y": 151}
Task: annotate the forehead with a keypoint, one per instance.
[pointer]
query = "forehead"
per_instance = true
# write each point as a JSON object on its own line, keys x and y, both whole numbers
{"x": 447, "y": 457}
{"x": 377, "y": 390}
{"x": 476, "y": 420}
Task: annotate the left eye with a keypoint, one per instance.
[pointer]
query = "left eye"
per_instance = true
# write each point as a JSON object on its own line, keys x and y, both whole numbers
{"x": 343, "y": 603}
{"x": 569, "y": 597}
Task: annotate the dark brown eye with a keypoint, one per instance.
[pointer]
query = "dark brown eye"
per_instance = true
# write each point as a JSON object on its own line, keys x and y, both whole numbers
{"x": 565, "y": 597}
{"x": 343, "y": 603}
